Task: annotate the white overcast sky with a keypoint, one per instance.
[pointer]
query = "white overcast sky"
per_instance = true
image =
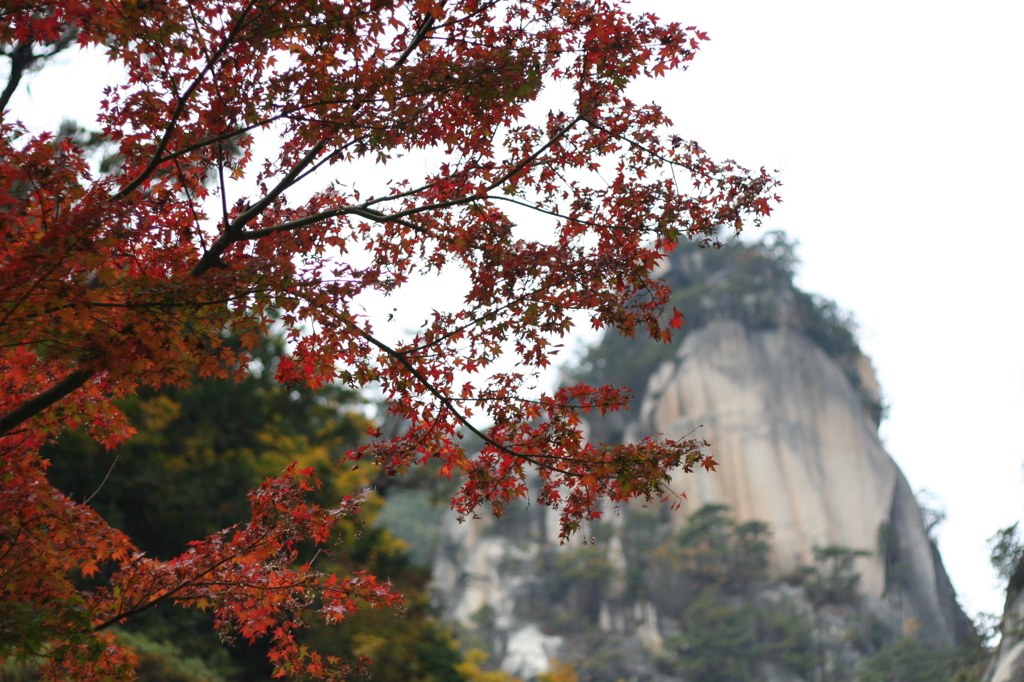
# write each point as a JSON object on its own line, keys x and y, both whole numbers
{"x": 897, "y": 128}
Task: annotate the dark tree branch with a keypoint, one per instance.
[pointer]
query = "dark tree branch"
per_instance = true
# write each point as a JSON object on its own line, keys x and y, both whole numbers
{"x": 24, "y": 59}
{"x": 233, "y": 231}
{"x": 21, "y": 58}
{"x": 37, "y": 404}
{"x": 421, "y": 35}
{"x": 315, "y": 218}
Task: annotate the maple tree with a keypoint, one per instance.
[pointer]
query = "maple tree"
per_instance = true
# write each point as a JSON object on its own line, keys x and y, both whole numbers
{"x": 185, "y": 474}
{"x": 224, "y": 215}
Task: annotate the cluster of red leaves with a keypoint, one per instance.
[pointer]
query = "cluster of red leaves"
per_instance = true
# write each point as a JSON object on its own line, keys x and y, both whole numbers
{"x": 130, "y": 279}
{"x": 45, "y": 540}
{"x": 248, "y": 575}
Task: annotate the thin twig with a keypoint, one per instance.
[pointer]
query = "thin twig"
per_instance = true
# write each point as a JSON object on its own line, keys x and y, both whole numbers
{"x": 89, "y": 499}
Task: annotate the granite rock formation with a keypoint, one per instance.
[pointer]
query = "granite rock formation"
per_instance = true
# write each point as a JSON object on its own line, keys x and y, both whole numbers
{"x": 798, "y": 451}
{"x": 774, "y": 379}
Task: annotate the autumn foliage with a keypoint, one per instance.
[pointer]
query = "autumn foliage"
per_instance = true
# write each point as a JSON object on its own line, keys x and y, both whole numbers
{"x": 232, "y": 206}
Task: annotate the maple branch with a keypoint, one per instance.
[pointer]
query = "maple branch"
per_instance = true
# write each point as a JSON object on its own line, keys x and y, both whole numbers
{"x": 447, "y": 402}
{"x": 114, "y": 620}
{"x": 515, "y": 170}
{"x": 11, "y": 545}
{"x": 421, "y": 34}
{"x": 334, "y": 154}
{"x": 471, "y": 323}
{"x": 485, "y": 398}
{"x": 505, "y": 177}
{"x": 246, "y": 217}
{"x": 40, "y": 402}
{"x": 180, "y": 108}
{"x": 21, "y": 58}
{"x": 235, "y": 132}
{"x": 38, "y": 283}
{"x": 191, "y": 206}
{"x": 650, "y": 152}
{"x": 223, "y": 190}
{"x": 476, "y": 320}
{"x": 361, "y": 211}
{"x": 250, "y": 214}
{"x": 449, "y": 405}
{"x": 171, "y": 591}
{"x": 482, "y": 8}
{"x": 555, "y": 214}
{"x": 231, "y": 232}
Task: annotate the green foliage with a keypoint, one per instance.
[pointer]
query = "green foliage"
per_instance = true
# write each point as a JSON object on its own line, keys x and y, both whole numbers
{"x": 908, "y": 660}
{"x": 414, "y": 517}
{"x": 165, "y": 662}
{"x": 642, "y": 534}
{"x": 897, "y": 563}
{"x": 712, "y": 550}
{"x": 158, "y": 661}
{"x": 833, "y": 579}
{"x": 603, "y": 658}
{"x": 718, "y": 644}
{"x": 587, "y": 564}
{"x": 723, "y": 641}
{"x": 785, "y": 637}
{"x": 1007, "y": 552}
{"x": 575, "y": 582}
{"x": 828, "y": 325}
{"x": 723, "y": 618}
{"x": 721, "y": 615}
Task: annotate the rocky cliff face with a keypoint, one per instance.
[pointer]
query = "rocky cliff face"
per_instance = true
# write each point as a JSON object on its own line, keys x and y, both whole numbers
{"x": 806, "y": 540}
{"x": 799, "y": 452}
